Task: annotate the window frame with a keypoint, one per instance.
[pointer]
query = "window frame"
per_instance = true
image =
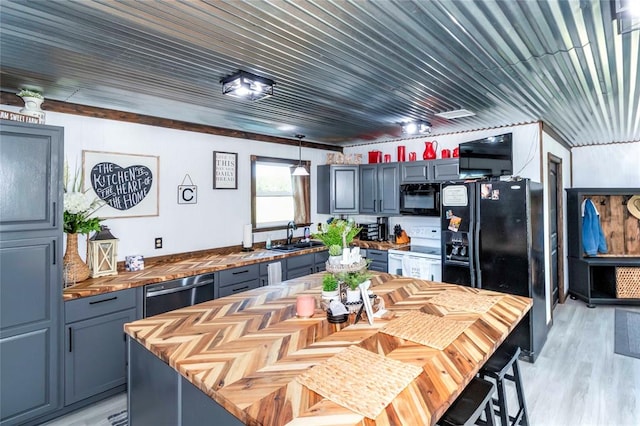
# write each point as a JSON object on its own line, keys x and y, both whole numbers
{"x": 305, "y": 179}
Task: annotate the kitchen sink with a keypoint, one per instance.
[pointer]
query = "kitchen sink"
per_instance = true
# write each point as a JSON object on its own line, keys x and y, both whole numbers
{"x": 297, "y": 246}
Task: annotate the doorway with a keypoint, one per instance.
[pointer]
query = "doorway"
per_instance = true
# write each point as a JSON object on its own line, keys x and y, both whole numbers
{"x": 556, "y": 243}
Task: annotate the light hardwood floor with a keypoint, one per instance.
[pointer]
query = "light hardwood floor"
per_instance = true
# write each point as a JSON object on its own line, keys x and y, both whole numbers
{"x": 576, "y": 381}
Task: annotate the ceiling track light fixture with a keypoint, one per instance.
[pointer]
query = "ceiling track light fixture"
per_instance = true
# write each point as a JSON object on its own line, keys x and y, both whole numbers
{"x": 416, "y": 127}
{"x": 245, "y": 85}
{"x": 300, "y": 170}
{"x": 627, "y": 12}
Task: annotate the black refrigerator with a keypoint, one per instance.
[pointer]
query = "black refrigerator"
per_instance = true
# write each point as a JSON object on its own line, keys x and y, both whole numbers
{"x": 493, "y": 238}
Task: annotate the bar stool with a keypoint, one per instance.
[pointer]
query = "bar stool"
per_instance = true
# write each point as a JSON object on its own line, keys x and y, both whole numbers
{"x": 497, "y": 367}
{"x": 468, "y": 407}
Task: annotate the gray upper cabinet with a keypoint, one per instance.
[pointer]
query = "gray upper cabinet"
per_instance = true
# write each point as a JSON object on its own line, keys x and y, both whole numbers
{"x": 416, "y": 172}
{"x": 429, "y": 170}
{"x": 379, "y": 188}
{"x": 337, "y": 189}
{"x": 30, "y": 270}
{"x": 446, "y": 169}
{"x": 31, "y": 158}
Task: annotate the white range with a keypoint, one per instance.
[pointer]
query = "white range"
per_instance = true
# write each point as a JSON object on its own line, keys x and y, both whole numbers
{"x": 422, "y": 259}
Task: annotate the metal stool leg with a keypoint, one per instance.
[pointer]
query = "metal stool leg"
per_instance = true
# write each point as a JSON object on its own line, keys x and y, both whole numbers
{"x": 524, "y": 421}
{"x": 501, "y": 408}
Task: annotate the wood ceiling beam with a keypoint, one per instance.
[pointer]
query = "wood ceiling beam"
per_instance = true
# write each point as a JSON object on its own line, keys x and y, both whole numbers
{"x": 7, "y": 98}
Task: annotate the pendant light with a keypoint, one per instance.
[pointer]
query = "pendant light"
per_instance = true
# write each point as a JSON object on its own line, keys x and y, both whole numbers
{"x": 300, "y": 170}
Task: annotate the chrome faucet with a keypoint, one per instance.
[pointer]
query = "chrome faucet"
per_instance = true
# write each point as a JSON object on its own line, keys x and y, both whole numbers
{"x": 291, "y": 226}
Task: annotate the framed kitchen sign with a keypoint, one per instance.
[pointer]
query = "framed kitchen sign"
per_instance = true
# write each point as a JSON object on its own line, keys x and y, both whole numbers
{"x": 128, "y": 183}
{"x": 225, "y": 170}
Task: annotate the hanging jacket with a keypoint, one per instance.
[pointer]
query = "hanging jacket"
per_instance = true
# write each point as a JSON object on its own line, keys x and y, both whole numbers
{"x": 592, "y": 236}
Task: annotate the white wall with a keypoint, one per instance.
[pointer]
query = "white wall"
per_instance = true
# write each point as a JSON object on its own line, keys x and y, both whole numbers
{"x": 607, "y": 166}
{"x": 551, "y": 146}
{"x": 526, "y": 147}
{"x": 218, "y": 217}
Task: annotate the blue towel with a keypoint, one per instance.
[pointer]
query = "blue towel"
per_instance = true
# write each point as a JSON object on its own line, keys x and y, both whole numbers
{"x": 592, "y": 235}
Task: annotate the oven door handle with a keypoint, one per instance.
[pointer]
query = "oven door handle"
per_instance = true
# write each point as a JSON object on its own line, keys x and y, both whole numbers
{"x": 177, "y": 289}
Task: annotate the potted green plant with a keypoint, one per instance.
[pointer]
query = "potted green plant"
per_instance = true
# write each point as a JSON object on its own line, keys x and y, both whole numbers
{"x": 335, "y": 254}
{"x": 329, "y": 286}
{"x": 353, "y": 280}
{"x": 338, "y": 232}
{"x": 32, "y": 101}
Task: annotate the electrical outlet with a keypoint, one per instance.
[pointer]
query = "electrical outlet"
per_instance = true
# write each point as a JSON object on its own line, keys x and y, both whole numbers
{"x": 158, "y": 242}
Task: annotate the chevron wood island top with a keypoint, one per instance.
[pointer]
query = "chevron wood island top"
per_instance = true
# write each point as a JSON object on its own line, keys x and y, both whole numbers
{"x": 245, "y": 351}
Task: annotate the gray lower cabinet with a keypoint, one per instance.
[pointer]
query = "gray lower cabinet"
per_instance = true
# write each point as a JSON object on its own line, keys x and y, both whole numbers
{"x": 236, "y": 280}
{"x": 305, "y": 264}
{"x": 299, "y": 266}
{"x": 30, "y": 271}
{"x": 320, "y": 259}
{"x": 95, "y": 344}
{"x": 379, "y": 260}
{"x": 158, "y": 395}
{"x": 337, "y": 189}
{"x": 264, "y": 271}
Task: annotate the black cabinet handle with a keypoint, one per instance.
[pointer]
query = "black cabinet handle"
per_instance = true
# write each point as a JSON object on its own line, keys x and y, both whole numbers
{"x": 241, "y": 288}
{"x": 380, "y": 203}
{"x": 70, "y": 340}
{"x": 55, "y": 215}
{"x": 104, "y": 300}
{"x": 240, "y": 272}
{"x": 54, "y": 251}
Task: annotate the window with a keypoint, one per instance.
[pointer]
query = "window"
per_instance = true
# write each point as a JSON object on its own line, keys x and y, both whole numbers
{"x": 277, "y": 197}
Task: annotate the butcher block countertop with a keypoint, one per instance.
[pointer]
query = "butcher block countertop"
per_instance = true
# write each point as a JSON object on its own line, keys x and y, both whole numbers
{"x": 184, "y": 265}
{"x": 248, "y": 352}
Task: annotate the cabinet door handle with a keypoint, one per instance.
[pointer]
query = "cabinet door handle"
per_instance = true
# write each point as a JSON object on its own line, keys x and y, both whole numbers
{"x": 103, "y": 300}
{"x": 380, "y": 203}
{"x": 241, "y": 288}
{"x": 240, "y": 272}
{"x": 53, "y": 248}
{"x": 55, "y": 214}
{"x": 70, "y": 340}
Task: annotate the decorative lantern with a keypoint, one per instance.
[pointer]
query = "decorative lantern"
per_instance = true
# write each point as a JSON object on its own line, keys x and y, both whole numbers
{"x": 102, "y": 253}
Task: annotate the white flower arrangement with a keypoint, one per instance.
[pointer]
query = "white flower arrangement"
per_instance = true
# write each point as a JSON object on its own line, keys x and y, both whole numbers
{"x": 79, "y": 206}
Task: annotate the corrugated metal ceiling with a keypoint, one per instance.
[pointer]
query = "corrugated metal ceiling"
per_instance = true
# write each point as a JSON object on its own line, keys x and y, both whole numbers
{"x": 345, "y": 71}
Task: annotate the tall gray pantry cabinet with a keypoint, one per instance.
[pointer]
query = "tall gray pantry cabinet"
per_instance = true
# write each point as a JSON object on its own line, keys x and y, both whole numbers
{"x": 31, "y": 159}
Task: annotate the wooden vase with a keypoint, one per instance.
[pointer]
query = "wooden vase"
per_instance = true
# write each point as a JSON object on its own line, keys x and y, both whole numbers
{"x": 75, "y": 270}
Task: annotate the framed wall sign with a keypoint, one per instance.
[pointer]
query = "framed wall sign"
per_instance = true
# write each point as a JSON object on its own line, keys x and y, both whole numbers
{"x": 128, "y": 183}
{"x": 225, "y": 170}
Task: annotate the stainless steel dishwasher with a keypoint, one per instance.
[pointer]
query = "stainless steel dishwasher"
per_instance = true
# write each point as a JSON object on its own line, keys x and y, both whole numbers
{"x": 176, "y": 294}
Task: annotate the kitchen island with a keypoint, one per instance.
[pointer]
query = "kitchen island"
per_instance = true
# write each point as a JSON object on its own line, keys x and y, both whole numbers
{"x": 242, "y": 359}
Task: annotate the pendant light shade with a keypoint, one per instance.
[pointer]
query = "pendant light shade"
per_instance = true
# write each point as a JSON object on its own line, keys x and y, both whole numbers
{"x": 300, "y": 170}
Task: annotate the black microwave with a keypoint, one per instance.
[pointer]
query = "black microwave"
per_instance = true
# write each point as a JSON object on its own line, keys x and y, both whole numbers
{"x": 420, "y": 199}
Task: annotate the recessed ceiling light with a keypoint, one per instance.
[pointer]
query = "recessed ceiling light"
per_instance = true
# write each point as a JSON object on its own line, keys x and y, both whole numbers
{"x": 459, "y": 113}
